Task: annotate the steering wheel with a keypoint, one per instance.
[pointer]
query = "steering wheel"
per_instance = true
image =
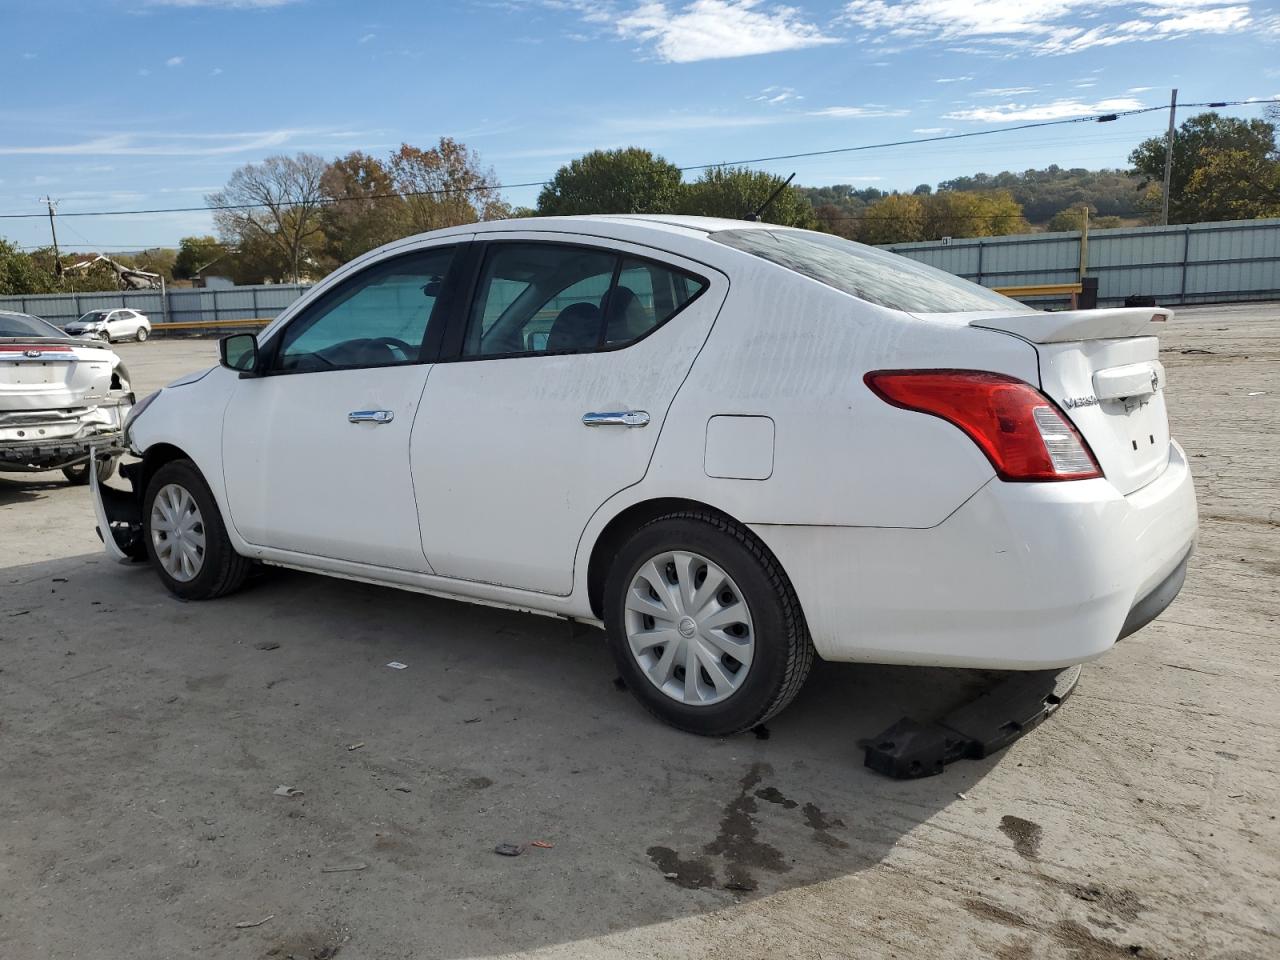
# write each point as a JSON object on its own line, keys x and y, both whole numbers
{"x": 405, "y": 350}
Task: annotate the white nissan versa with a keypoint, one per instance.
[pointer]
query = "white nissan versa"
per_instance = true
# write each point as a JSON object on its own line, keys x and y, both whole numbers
{"x": 735, "y": 445}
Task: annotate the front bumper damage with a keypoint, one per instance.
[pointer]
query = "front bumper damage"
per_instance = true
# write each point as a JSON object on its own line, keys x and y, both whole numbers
{"x": 35, "y": 440}
{"x": 119, "y": 512}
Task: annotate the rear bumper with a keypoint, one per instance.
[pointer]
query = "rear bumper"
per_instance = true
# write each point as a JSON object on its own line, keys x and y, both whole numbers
{"x": 50, "y": 439}
{"x": 1021, "y": 577}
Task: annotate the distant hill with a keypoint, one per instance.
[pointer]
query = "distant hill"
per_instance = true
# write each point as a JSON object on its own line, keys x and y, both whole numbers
{"x": 1042, "y": 193}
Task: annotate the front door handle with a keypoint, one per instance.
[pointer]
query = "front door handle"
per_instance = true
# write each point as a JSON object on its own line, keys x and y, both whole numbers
{"x": 370, "y": 416}
{"x": 619, "y": 418}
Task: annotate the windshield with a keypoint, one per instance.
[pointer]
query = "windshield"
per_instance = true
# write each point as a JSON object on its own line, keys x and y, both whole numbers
{"x": 93, "y": 316}
{"x": 876, "y": 276}
{"x": 21, "y": 325}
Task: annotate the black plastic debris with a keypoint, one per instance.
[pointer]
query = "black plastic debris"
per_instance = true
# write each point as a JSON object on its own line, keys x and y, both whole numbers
{"x": 997, "y": 717}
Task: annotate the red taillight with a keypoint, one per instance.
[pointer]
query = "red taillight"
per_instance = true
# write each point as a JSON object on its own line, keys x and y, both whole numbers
{"x": 1020, "y": 430}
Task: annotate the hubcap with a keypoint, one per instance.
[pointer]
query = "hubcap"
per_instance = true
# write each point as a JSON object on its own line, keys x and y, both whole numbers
{"x": 177, "y": 532}
{"x": 689, "y": 628}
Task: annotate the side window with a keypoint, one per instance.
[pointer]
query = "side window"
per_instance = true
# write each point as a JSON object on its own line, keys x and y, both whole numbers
{"x": 539, "y": 298}
{"x": 377, "y": 318}
{"x": 647, "y": 296}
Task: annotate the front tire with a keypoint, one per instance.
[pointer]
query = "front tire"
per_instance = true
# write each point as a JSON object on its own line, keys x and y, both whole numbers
{"x": 186, "y": 539}
{"x": 141, "y": 335}
{"x": 703, "y": 624}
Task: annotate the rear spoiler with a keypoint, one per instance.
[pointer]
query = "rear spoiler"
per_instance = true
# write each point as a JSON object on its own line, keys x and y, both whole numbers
{"x": 1069, "y": 325}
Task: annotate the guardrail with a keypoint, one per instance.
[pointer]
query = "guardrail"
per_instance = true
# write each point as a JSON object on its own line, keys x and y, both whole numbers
{"x": 188, "y": 326}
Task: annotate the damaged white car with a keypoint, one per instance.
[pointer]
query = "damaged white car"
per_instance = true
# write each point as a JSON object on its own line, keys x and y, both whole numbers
{"x": 59, "y": 397}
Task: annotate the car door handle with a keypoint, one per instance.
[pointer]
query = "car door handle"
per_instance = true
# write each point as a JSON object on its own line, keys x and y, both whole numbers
{"x": 370, "y": 416}
{"x": 619, "y": 418}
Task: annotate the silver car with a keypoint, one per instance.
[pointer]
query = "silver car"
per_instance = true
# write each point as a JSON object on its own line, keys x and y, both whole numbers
{"x": 59, "y": 397}
{"x": 111, "y": 325}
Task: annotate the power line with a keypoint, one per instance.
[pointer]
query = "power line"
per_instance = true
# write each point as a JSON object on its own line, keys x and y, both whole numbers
{"x": 1092, "y": 118}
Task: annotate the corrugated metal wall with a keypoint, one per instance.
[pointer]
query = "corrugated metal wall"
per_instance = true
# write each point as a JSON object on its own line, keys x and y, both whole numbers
{"x": 1195, "y": 263}
{"x": 1192, "y": 263}
{"x": 184, "y": 304}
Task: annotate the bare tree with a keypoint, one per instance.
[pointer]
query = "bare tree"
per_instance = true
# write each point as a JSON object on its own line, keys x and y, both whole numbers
{"x": 273, "y": 204}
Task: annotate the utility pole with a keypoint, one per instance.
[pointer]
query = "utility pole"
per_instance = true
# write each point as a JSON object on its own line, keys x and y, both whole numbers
{"x": 1168, "y": 158}
{"x": 57, "y": 260}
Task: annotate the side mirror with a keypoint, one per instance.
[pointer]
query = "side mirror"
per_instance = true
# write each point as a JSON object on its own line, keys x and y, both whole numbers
{"x": 239, "y": 352}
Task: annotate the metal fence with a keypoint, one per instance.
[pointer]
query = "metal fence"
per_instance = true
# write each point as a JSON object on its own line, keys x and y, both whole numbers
{"x": 175, "y": 306}
{"x": 1190, "y": 263}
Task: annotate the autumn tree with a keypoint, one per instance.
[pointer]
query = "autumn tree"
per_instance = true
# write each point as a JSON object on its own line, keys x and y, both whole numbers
{"x": 364, "y": 211}
{"x": 897, "y": 218}
{"x": 630, "y": 180}
{"x": 274, "y": 206}
{"x": 1072, "y": 218}
{"x": 1195, "y": 143}
{"x": 734, "y": 192}
{"x": 445, "y": 186}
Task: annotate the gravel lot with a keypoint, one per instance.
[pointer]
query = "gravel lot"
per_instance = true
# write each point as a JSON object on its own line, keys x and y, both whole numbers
{"x": 141, "y": 740}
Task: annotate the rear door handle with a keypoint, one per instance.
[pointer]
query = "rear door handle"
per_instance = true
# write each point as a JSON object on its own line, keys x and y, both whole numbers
{"x": 370, "y": 416}
{"x": 618, "y": 418}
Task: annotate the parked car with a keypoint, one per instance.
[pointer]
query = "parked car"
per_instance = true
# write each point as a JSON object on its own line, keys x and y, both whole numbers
{"x": 735, "y": 446}
{"x": 111, "y": 325}
{"x": 58, "y": 397}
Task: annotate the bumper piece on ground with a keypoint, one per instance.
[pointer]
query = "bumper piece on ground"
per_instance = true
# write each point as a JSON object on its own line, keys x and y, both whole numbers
{"x": 908, "y": 749}
{"x": 119, "y": 513}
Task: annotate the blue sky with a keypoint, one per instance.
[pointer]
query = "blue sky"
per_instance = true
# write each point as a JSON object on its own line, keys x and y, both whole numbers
{"x": 126, "y": 104}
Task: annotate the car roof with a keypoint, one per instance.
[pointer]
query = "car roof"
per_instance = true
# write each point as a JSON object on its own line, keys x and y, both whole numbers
{"x": 610, "y": 224}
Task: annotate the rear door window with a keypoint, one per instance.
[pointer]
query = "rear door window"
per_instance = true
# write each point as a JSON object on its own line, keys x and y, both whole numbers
{"x": 557, "y": 298}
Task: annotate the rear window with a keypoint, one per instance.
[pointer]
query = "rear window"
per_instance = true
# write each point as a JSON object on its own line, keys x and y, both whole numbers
{"x": 21, "y": 325}
{"x": 877, "y": 276}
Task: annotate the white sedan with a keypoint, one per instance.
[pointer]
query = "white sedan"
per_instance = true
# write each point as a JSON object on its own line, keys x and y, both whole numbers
{"x": 111, "y": 325}
{"x": 735, "y": 446}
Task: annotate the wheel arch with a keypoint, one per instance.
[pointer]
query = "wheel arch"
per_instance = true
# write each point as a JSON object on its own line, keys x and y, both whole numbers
{"x": 155, "y": 457}
{"x": 625, "y": 523}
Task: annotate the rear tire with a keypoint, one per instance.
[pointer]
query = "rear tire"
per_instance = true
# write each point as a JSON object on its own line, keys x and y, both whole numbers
{"x": 724, "y": 605}
{"x": 141, "y": 335}
{"x": 186, "y": 539}
{"x": 78, "y": 473}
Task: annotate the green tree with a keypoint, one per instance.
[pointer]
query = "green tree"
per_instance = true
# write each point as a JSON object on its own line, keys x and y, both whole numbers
{"x": 630, "y": 180}
{"x": 1235, "y": 185}
{"x": 734, "y": 192}
{"x": 1195, "y": 142}
{"x": 1072, "y": 218}
{"x": 195, "y": 253}
{"x": 20, "y": 273}
{"x": 967, "y": 213}
{"x": 898, "y": 218}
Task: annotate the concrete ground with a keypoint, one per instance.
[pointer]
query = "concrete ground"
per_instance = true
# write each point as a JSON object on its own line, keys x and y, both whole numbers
{"x": 142, "y": 741}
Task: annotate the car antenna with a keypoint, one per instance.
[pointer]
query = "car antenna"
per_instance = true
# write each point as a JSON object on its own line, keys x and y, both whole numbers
{"x": 753, "y": 217}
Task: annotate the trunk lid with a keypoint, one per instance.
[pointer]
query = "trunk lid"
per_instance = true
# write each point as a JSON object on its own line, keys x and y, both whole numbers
{"x": 1102, "y": 368}
{"x": 49, "y": 374}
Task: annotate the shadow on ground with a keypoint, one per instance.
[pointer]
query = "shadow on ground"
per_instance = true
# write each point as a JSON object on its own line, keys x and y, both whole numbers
{"x": 145, "y": 738}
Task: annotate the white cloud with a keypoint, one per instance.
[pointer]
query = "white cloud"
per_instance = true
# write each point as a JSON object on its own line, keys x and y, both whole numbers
{"x": 174, "y": 61}
{"x": 933, "y": 131}
{"x": 1056, "y": 110}
{"x": 952, "y": 79}
{"x": 215, "y": 72}
{"x": 1043, "y": 27}
{"x": 1139, "y": 89}
{"x": 775, "y": 95}
{"x": 367, "y": 37}
{"x": 870, "y": 110}
{"x": 717, "y": 29}
{"x": 1004, "y": 91}
{"x": 162, "y": 145}
{"x": 228, "y": 4}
